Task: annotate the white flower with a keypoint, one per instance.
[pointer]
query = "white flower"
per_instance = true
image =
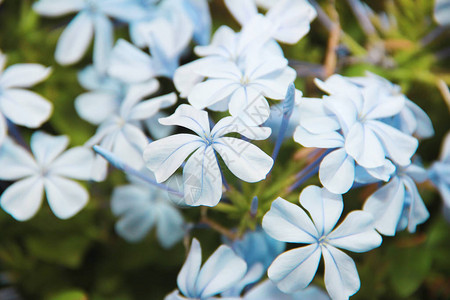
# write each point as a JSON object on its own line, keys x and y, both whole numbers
{"x": 49, "y": 169}
{"x": 289, "y": 19}
{"x": 294, "y": 269}
{"x": 20, "y": 106}
{"x": 201, "y": 174}
{"x": 122, "y": 132}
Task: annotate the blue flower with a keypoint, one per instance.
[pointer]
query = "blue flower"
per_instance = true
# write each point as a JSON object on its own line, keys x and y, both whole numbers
{"x": 294, "y": 269}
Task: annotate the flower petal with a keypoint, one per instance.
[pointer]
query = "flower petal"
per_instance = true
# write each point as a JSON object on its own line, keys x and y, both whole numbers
{"x": 341, "y": 275}
{"x": 103, "y": 42}
{"x": 24, "y": 75}
{"x": 75, "y": 39}
{"x": 287, "y": 222}
{"x": 211, "y": 91}
{"x": 337, "y": 171}
{"x": 15, "y": 161}
{"x": 65, "y": 197}
{"x": 293, "y": 270}
{"x": 52, "y": 8}
{"x": 164, "y": 156}
{"x": 242, "y": 11}
{"x": 202, "y": 178}
{"x": 23, "y": 198}
{"x": 356, "y": 233}
{"x": 187, "y": 277}
{"x": 244, "y": 159}
{"x": 315, "y": 118}
{"x": 170, "y": 223}
{"x": 47, "y": 147}
{"x": 331, "y": 139}
{"x": 221, "y": 271}
{"x": 229, "y": 124}
{"x": 190, "y": 118}
{"x": 25, "y": 108}
{"x": 96, "y": 107}
{"x": 324, "y": 207}
{"x": 149, "y": 108}
{"x": 74, "y": 163}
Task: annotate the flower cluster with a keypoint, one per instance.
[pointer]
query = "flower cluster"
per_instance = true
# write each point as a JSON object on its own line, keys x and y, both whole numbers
{"x": 364, "y": 132}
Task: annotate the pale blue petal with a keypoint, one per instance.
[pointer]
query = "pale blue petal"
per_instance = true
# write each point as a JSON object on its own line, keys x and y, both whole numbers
{"x": 315, "y": 118}
{"x": 356, "y": 233}
{"x": 202, "y": 178}
{"x": 15, "y": 161}
{"x": 245, "y": 160}
{"x": 331, "y": 139}
{"x": 294, "y": 269}
{"x": 170, "y": 224}
{"x": 74, "y": 163}
{"x": 418, "y": 212}
{"x": 187, "y": 277}
{"x": 75, "y": 39}
{"x": 23, "y": 75}
{"x": 96, "y": 107}
{"x": 189, "y": 117}
{"x": 341, "y": 275}
{"x": 424, "y": 128}
{"x": 46, "y": 147}
{"x": 221, "y": 271}
{"x": 287, "y": 222}
{"x": 229, "y": 124}
{"x": 337, "y": 171}
{"x": 103, "y": 42}
{"x": 198, "y": 11}
{"x": 324, "y": 207}
{"x": 268, "y": 291}
{"x": 55, "y": 8}
{"x": 164, "y": 156}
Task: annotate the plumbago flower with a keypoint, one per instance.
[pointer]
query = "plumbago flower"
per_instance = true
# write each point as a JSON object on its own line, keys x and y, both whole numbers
{"x": 92, "y": 18}
{"x": 267, "y": 290}
{"x": 122, "y": 133}
{"x": 439, "y": 172}
{"x": 48, "y": 170}
{"x": 220, "y": 272}
{"x": 398, "y": 204}
{"x": 201, "y": 173}
{"x": 350, "y": 122}
{"x": 289, "y": 19}
{"x": 20, "y": 106}
{"x": 294, "y": 269}
{"x": 141, "y": 207}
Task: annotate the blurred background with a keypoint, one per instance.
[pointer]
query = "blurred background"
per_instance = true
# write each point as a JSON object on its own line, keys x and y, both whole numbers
{"x": 83, "y": 258}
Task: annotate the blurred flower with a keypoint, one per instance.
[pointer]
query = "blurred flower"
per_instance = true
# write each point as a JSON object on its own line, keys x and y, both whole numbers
{"x": 267, "y": 290}
{"x": 141, "y": 207}
{"x": 442, "y": 12}
{"x": 221, "y": 271}
{"x": 201, "y": 173}
{"x": 294, "y": 269}
{"x": 48, "y": 169}
{"x": 20, "y": 106}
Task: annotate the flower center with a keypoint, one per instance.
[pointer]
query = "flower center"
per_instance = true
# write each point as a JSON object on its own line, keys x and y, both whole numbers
{"x": 323, "y": 240}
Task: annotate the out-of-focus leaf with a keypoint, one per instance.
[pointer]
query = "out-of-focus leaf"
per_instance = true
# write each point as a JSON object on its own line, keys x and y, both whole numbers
{"x": 70, "y": 295}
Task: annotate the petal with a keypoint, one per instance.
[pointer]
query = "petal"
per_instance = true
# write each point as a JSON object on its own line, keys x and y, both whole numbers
{"x": 185, "y": 77}
{"x": 356, "y": 233}
{"x": 275, "y": 84}
{"x": 190, "y": 118}
{"x": 400, "y": 147}
{"x": 221, "y": 271}
{"x": 25, "y": 108}
{"x": 424, "y": 128}
{"x": 24, "y": 75}
{"x": 3, "y": 129}
{"x": 364, "y": 146}
{"x": 170, "y": 224}
{"x": 244, "y": 159}
{"x": 337, "y": 171}
{"x": 157, "y": 130}
{"x": 96, "y": 107}
{"x": 103, "y": 42}
{"x": 164, "y": 156}
{"x": 341, "y": 275}
{"x": 331, "y": 139}
{"x": 386, "y": 206}
{"x": 135, "y": 225}
{"x": 129, "y": 63}
{"x": 211, "y": 91}
{"x": 52, "y": 8}
{"x": 75, "y": 163}
{"x": 287, "y": 222}
{"x": 15, "y": 161}
{"x": 343, "y": 108}
{"x": 148, "y": 108}
{"x": 23, "y": 198}
{"x": 294, "y": 269}
{"x": 315, "y": 118}
{"x": 202, "y": 178}
{"x": 129, "y": 144}
{"x": 254, "y": 112}
{"x": 187, "y": 277}
{"x": 418, "y": 212}
{"x": 65, "y": 197}
{"x": 242, "y": 10}
{"x": 47, "y": 147}
{"x": 324, "y": 207}
{"x": 75, "y": 39}
{"x": 135, "y": 93}
{"x": 229, "y": 124}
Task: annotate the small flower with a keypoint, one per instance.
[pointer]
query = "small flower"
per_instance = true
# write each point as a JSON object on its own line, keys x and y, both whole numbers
{"x": 141, "y": 207}
{"x": 49, "y": 169}
{"x": 201, "y": 173}
{"x": 20, "y": 106}
{"x": 294, "y": 269}
{"x": 220, "y": 272}
{"x": 121, "y": 132}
